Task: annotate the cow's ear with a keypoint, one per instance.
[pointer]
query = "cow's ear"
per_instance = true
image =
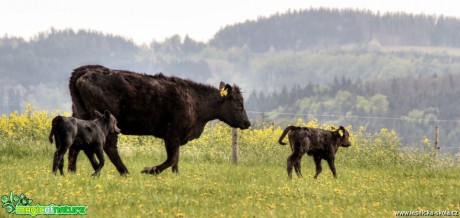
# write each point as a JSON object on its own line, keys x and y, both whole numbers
{"x": 221, "y": 85}
{"x": 228, "y": 88}
{"x": 224, "y": 89}
{"x": 341, "y": 131}
{"x": 98, "y": 114}
{"x": 106, "y": 114}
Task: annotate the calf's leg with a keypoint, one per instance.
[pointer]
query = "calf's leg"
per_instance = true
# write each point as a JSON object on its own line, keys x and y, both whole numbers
{"x": 317, "y": 160}
{"x": 293, "y": 161}
{"x": 92, "y": 159}
{"x": 61, "y": 162}
{"x": 100, "y": 156}
{"x": 302, "y": 148}
{"x": 330, "y": 162}
{"x": 62, "y": 144}
{"x": 57, "y": 158}
{"x": 61, "y": 166}
{"x": 297, "y": 167}
{"x": 73, "y": 155}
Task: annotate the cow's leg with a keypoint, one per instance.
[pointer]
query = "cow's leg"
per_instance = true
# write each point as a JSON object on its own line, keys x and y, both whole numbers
{"x": 330, "y": 161}
{"x": 172, "y": 150}
{"x": 111, "y": 150}
{"x": 317, "y": 160}
{"x": 175, "y": 166}
{"x": 73, "y": 155}
{"x": 92, "y": 159}
{"x": 100, "y": 156}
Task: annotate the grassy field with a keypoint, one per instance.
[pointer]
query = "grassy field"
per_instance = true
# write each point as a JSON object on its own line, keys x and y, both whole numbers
{"x": 376, "y": 177}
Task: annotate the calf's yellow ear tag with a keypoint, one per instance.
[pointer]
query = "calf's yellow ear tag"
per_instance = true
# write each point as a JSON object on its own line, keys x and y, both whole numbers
{"x": 341, "y": 133}
{"x": 223, "y": 92}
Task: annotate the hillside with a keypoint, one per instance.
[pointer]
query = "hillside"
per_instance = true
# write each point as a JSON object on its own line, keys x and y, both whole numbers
{"x": 325, "y": 28}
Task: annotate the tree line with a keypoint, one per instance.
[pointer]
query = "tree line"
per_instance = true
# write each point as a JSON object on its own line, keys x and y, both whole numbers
{"x": 324, "y": 28}
{"x": 412, "y": 106}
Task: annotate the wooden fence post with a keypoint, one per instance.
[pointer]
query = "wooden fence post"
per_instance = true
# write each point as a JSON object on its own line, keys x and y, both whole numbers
{"x": 436, "y": 147}
{"x": 235, "y": 146}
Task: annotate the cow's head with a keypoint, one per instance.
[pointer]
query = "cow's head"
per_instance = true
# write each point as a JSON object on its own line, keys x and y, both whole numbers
{"x": 110, "y": 121}
{"x": 344, "y": 135}
{"x": 232, "y": 111}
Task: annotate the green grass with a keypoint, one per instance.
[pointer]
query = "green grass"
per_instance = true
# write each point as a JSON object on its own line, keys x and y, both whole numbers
{"x": 210, "y": 186}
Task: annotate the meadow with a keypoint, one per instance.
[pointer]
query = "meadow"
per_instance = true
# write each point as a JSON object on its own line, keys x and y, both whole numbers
{"x": 377, "y": 175}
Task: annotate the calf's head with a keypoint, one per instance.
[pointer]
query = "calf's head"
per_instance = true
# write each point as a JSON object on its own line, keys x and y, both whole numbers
{"x": 344, "y": 135}
{"x": 110, "y": 121}
{"x": 232, "y": 110}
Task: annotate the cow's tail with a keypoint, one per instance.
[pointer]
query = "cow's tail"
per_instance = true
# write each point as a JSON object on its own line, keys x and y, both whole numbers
{"x": 285, "y": 132}
{"x": 77, "y": 102}
{"x": 78, "y": 105}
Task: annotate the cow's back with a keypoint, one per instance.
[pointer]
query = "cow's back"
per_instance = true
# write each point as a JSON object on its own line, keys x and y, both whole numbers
{"x": 142, "y": 104}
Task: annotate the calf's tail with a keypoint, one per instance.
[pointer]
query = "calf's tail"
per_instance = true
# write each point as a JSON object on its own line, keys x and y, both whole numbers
{"x": 53, "y": 124}
{"x": 51, "y": 134}
{"x": 285, "y": 132}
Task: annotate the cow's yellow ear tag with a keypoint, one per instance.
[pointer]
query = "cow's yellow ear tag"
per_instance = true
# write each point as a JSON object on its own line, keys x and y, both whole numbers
{"x": 341, "y": 133}
{"x": 223, "y": 92}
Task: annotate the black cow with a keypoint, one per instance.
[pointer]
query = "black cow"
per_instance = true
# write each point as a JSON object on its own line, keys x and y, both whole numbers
{"x": 87, "y": 135}
{"x": 319, "y": 143}
{"x": 170, "y": 108}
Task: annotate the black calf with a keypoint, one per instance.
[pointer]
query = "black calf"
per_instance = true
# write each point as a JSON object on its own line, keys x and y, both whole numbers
{"x": 319, "y": 143}
{"x": 87, "y": 135}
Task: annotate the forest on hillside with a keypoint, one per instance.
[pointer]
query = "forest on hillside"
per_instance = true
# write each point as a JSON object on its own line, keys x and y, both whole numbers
{"x": 325, "y": 28}
{"x": 312, "y": 62}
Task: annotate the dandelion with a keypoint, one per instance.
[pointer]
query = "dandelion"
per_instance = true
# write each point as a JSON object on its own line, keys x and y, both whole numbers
{"x": 337, "y": 190}
{"x": 99, "y": 187}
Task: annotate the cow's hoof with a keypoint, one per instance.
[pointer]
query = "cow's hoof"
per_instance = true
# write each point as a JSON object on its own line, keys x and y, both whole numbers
{"x": 95, "y": 175}
{"x": 150, "y": 170}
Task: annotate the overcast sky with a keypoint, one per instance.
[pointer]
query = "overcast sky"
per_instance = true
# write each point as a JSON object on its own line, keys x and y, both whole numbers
{"x": 147, "y": 20}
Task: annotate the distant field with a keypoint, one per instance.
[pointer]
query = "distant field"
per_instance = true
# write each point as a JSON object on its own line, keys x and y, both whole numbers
{"x": 374, "y": 177}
